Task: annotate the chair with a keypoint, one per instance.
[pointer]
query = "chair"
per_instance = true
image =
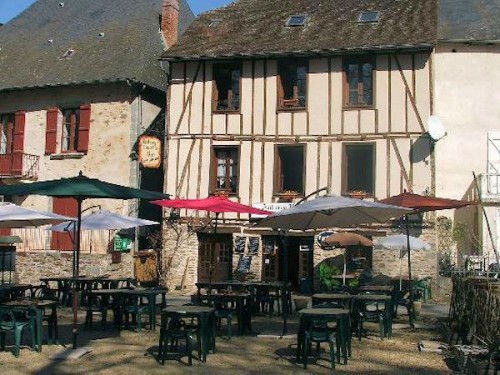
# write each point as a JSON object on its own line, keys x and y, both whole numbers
{"x": 173, "y": 328}
{"x": 12, "y": 320}
{"x": 96, "y": 304}
{"x": 135, "y": 308}
{"x": 370, "y": 311}
{"x": 424, "y": 287}
{"x": 317, "y": 331}
{"x": 223, "y": 311}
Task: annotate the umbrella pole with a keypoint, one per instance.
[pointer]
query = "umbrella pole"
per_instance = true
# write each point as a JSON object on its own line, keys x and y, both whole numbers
{"x": 76, "y": 270}
{"x": 410, "y": 286}
{"x": 285, "y": 293}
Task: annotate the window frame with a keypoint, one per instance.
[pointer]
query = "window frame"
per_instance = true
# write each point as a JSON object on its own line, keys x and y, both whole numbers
{"x": 278, "y": 188}
{"x": 8, "y": 119}
{"x": 216, "y": 67}
{"x": 281, "y": 102}
{"x": 360, "y": 61}
{"x": 214, "y": 166}
{"x": 345, "y": 167}
{"x": 74, "y": 131}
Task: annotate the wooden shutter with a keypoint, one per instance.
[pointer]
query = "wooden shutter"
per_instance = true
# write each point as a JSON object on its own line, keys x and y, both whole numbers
{"x": 84, "y": 129}
{"x": 66, "y": 207}
{"x": 18, "y": 143}
{"x": 51, "y": 131}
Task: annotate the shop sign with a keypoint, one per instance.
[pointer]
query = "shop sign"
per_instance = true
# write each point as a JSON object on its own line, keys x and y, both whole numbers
{"x": 271, "y": 207}
{"x": 149, "y": 151}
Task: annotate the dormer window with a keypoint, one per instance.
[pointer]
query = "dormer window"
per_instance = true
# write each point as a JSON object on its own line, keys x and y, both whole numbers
{"x": 214, "y": 23}
{"x": 294, "y": 21}
{"x": 369, "y": 17}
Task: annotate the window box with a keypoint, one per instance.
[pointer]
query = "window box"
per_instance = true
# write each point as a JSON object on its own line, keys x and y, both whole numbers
{"x": 287, "y": 195}
{"x": 290, "y": 102}
{"x": 358, "y": 194}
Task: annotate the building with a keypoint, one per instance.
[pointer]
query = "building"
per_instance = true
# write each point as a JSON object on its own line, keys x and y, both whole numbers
{"x": 466, "y": 101}
{"x": 270, "y": 102}
{"x": 80, "y": 83}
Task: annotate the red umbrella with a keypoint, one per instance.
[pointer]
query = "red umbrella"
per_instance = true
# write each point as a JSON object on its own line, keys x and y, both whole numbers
{"x": 211, "y": 204}
{"x": 421, "y": 203}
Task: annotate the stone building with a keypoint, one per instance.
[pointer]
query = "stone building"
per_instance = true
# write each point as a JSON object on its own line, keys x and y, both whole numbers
{"x": 80, "y": 83}
{"x": 271, "y": 102}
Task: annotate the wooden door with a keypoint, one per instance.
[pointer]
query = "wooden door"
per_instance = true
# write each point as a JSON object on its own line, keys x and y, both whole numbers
{"x": 215, "y": 258}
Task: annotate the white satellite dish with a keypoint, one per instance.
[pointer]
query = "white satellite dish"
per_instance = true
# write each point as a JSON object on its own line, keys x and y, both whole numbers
{"x": 436, "y": 128}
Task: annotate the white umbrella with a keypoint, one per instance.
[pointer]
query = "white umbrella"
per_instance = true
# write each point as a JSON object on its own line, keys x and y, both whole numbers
{"x": 332, "y": 211}
{"x": 104, "y": 220}
{"x": 400, "y": 242}
{"x": 14, "y": 216}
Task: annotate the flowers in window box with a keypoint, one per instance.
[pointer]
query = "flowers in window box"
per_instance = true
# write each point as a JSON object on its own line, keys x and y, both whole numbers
{"x": 290, "y": 102}
{"x": 221, "y": 193}
{"x": 288, "y": 195}
{"x": 358, "y": 194}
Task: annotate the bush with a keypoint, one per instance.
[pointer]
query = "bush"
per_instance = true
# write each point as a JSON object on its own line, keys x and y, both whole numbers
{"x": 326, "y": 271}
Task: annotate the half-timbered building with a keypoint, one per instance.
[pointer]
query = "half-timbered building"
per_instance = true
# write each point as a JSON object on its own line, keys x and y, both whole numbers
{"x": 270, "y": 102}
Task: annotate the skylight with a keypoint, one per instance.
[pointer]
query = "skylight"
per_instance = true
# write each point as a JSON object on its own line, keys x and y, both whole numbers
{"x": 214, "y": 23}
{"x": 369, "y": 17}
{"x": 294, "y": 21}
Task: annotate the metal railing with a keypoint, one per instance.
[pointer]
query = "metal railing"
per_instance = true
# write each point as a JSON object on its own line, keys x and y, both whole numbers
{"x": 19, "y": 165}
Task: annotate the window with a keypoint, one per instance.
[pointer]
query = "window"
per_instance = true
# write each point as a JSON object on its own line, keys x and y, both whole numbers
{"x": 227, "y": 87}
{"x": 369, "y": 17}
{"x": 225, "y": 169}
{"x": 71, "y": 126}
{"x": 359, "y": 169}
{"x": 6, "y": 133}
{"x": 296, "y": 21}
{"x": 289, "y": 169}
{"x": 292, "y": 84}
{"x": 70, "y": 129}
{"x": 359, "y": 82}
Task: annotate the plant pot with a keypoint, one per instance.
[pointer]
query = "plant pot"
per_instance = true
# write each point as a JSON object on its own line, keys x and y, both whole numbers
{"x": 417, "y": 308}
{"x": 301, "y": 303}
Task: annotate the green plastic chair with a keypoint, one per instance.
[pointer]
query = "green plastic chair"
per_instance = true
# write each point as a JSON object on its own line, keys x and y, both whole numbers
{"x": 318, "y": 332}
{"x": 12, "y": 320}
{"x": 424, "y": 286}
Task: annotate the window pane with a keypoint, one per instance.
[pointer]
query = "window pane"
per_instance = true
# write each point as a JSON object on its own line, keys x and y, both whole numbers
{"x": 292, "y": 167}
{"x": 360, "y": 168}
{"x": 301, "y": 85}
{"x": 227, "y": 169}
{"x": 227, "y": 81}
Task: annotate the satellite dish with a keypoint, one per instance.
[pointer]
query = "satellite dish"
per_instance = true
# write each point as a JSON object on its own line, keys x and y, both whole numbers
{"x": 436, "y": 128}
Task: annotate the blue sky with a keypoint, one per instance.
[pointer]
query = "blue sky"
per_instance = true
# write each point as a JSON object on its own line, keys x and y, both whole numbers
{"x": 11, "y": 8}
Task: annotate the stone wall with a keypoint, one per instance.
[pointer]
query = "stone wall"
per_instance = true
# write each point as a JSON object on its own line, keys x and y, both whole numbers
{"x": 31, "y": 266}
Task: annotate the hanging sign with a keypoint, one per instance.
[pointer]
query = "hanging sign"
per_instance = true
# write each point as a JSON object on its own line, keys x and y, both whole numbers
{"x": 149, "y": 151}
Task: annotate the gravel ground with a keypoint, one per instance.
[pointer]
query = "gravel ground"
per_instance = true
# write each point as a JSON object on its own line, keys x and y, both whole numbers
{"x": 130, "y": 352}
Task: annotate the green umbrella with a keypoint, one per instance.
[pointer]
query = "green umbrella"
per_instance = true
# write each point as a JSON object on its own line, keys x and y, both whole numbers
{"x": 80, "y": 188}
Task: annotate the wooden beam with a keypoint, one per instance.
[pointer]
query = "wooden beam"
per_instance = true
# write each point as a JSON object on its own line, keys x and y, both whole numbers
{"x": 404, "y": 173}
{"x": 188, "y": 99}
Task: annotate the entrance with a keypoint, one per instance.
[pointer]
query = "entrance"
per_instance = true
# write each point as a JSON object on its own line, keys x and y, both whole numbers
{"x": 214, "y": 257}
{"x": 299, "y": 263}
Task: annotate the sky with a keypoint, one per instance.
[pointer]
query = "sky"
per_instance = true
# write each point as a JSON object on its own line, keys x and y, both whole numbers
{"x": 11, "y": 8}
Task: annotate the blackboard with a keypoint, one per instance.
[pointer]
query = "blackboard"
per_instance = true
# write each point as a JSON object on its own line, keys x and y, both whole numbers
{"x": 244, "y": 264}
{"x": 269, "y": 245}
{"x": 7, "y": 258}
{"x": 239, "y": 244}
{"x": 253, "y": 245}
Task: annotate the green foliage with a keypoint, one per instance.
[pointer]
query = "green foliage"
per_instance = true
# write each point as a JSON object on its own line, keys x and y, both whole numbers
{"x": 353, "y": 283}
{"x": 326, "y": 271}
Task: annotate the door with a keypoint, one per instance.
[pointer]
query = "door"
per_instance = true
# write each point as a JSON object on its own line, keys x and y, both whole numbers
{"x": 214, "y": 257}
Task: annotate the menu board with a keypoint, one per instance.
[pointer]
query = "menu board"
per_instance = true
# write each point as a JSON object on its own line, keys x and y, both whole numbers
{"x": 244, "y": 264}
{"x": 239, "y": 244}
{"x": 253, "y": 245}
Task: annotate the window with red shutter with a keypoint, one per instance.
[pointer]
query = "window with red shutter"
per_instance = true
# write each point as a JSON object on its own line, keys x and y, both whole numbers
{"x": 51, "y": 131}
{"x": 18, "y": 143}
{"x": 66, "y": 207}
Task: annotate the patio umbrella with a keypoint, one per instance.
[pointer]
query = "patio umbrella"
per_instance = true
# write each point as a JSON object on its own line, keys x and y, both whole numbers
{"x": 80, "y": 188}
{"x": 344, "y": 239}
{"x": 103, "y": 220}
{"x": 14, "y": 216}
{"x": 420, "y": 204}
{"x": 402, "y": 243}
{"x": 331, "y": 211}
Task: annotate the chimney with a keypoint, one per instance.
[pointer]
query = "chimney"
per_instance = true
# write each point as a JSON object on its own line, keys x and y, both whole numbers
{"x": 170, "y": 21}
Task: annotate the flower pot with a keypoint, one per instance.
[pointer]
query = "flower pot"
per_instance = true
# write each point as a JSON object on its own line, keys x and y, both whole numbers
{"x": 417, "y": 308}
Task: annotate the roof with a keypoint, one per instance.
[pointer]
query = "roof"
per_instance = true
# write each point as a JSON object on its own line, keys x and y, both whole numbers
{"x": 114, "y": 40}
{"x": 475, "y": 20}
{"x": 253, "y": 28}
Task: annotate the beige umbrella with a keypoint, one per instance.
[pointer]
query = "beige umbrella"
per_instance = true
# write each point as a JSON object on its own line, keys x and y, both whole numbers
{"x": 343, "y": 239}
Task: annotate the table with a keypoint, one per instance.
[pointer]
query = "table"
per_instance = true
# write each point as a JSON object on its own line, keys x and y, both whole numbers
{"x": 205, "y": 316}
{"x": 242, "y": 303}
{"x": 11, "y": 291}
{"x": 343, "y": 299}
{"x": 382, "y": 289}
{"x": 38, "y": 308}
{"x": 374, "y": 298}
{"x": 340, "y": 316}
{"x": 119, "y": 295}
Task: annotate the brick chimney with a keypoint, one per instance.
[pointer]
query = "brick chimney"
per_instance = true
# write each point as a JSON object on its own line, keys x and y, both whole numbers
{"x": 170, "y": 21}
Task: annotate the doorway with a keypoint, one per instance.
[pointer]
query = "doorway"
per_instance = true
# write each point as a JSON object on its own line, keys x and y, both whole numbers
{"x": 214, "y": 257}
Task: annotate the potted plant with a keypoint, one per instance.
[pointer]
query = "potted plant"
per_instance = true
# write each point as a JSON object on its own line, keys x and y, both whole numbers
{"x": 417, "y": 304}
{"x": 326, "y": 273}
{"x": 288, "y": 195}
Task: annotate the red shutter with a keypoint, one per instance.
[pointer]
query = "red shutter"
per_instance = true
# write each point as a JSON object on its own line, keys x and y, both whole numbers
{"x": 18, "y": 144}
{"x": 66, "y": 207}
{"x": 84, "y": 129}
{"x": 51, "y": 131}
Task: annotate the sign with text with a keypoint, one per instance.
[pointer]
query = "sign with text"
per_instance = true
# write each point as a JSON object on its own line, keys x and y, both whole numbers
{"x": 149, "y": 151}
{"x": 271, "y": 207}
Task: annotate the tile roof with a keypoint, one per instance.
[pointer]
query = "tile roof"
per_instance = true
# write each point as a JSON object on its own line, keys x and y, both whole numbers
{"x": 247, "y": 28}
{"x": 473, "y": 20}
{"x": 33, "y": 43}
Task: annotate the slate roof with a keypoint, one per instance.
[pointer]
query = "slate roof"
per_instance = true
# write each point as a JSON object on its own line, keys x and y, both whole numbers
{"x": 253, "y": 28}
{"x": 129, "y": 48}
{"x": 475, "y": 20}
